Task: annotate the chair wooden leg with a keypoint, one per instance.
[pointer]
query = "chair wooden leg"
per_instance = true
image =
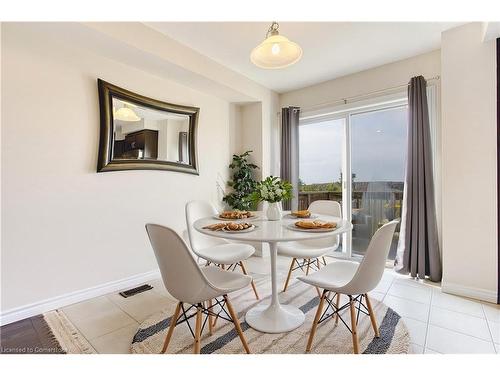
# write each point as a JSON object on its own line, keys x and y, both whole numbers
{"x": 210, "y": 317}
{"x": 337, "y": 304}
{"x": 355, "y": 344}
{"x": 236, "y": 324}
{"x": 197, "y": 330}
{"x": 318, "y": 265}
{"x": 173, "y": 321}
{"x": 315, "y": 322}
{"x": 372, "y": 316}
{"x": 289, "y": 274}
{"x": 253, "y": 283}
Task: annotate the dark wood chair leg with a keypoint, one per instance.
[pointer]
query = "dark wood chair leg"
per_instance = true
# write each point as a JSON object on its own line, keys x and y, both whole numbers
{"x": 173, "y": 321}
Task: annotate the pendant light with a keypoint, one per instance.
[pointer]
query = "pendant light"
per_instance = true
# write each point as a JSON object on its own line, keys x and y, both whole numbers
{"x": 126, "y": 114}
{"x": 275, "y": 51}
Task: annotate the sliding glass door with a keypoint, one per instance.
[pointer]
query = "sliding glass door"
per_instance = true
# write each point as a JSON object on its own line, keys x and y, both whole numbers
{"x": 378, "y": 155}
{"x": 370, "y": 147}
{"x": 321, "y": 162}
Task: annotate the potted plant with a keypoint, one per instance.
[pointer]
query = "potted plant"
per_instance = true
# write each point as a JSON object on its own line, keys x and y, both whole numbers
{"x": 242, "y": 183}
{"x": 274, "y": 191}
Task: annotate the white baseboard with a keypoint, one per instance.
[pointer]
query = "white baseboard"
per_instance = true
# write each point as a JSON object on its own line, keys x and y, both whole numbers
{"x": 465, "y": 291}
{"x": 49, "y": 304}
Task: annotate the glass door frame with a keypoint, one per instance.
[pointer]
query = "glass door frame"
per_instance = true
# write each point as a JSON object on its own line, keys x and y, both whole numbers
{"x": 345, "y": 112}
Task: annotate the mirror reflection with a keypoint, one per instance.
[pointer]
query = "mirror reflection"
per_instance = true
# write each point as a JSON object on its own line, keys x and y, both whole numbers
{"x": 145, "y": 133}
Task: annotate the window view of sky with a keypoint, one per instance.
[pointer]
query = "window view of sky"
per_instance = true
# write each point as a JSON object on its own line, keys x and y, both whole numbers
{"x": 378, "y": 149}
{"x": 320, "y": 151}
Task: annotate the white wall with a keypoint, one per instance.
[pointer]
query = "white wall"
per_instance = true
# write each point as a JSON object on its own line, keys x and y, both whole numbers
{"x": 380, "y": 78}
{"x": 469, "y": 163}
{"x": 65, "y": 227}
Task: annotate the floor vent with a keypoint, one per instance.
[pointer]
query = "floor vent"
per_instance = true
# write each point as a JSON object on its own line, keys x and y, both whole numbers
{"x": 134, "y": 291}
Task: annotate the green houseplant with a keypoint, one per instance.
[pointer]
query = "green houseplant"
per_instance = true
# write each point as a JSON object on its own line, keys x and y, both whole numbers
{"x": 242, "y": 183}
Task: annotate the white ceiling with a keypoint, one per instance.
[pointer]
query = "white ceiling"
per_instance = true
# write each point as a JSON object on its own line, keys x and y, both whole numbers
{"x": 331, "y": 49}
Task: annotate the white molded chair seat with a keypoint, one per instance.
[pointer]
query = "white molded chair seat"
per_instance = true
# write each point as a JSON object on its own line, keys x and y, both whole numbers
{"x": 306, "y": 249}
{"x": 333, "y": 276}
{"x": 227, "y": 253}
{"x": 224, "y": 282}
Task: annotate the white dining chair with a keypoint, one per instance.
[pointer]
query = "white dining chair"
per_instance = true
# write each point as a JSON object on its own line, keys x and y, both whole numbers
{"x": 192, "y": 285}
{"x": 354, "y": 280}
{"x": 306, "y": 254}
{"x": 215, "y": 251}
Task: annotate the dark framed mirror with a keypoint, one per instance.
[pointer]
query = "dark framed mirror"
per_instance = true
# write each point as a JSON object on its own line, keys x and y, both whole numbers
{"x": 138, "y": 132}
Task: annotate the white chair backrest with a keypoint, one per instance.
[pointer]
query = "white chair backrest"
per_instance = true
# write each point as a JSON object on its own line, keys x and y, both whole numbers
{"x": 322, "y": 207}
{"x": 372, "y": 266}
{"x": 330, "y": 208}
{"x": 180, "y": 273}
{"x": 197, "y": 210}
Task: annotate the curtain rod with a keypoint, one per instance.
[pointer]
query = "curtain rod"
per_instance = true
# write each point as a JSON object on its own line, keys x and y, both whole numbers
{"x": 357, "y": 97}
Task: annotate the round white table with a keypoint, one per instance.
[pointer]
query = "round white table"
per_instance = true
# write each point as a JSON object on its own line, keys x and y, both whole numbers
{"x": 274, "y": 317}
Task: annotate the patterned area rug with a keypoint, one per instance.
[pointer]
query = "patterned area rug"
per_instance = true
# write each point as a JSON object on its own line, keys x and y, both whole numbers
{"x": 329, "y": 338}
{"x": 67, "y": 336}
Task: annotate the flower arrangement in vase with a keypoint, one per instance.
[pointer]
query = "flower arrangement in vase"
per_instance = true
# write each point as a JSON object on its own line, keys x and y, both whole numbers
{"x": 274, "y": 191}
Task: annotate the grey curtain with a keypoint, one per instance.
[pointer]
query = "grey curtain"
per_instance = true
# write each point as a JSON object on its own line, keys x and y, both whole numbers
{"x": 418, "y": 247}
{"x": 289, "y": 151}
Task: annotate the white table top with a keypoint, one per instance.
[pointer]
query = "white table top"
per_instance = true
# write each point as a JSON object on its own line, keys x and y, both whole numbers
{"x": 273, "y": 231}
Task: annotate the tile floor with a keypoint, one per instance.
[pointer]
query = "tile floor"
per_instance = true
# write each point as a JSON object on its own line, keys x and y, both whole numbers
{"x": 438, "y": 322}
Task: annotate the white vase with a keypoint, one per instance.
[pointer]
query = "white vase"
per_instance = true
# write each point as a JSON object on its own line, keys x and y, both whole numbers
{"x": 273, "y": 212}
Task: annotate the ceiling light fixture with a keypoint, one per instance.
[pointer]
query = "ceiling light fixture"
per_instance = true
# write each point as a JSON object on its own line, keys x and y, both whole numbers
{"x": 275, "y": 51}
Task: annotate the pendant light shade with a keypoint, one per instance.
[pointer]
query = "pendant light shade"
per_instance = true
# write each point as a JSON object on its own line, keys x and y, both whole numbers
{"x": 275, "y": 51}
{"x": 126, "y": 114}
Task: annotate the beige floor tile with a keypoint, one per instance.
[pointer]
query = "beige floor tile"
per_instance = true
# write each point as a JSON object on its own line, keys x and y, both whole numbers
{"x": 416, "y": 349}
{"x": 383, "y": 286}
{"x": 376, "y": 295}
{"x": 159, "y": 287}
{"x": 407, "y": 308}
{"x": 417, "y": 330}
{"x": 142, "y": 305}
{"x": 417, "y": 294}
{"x": 492, "y": 312}
{"x": 116, "y": 342}
{"x": 495, "y": 331}
{"x": 458, "y": 304}
{"x": 463, "y": 323}
{"x": 97, "y": 317}
{"x": 446, "y": 341}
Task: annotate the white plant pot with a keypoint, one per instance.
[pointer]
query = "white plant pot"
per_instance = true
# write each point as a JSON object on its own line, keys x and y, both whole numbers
{"x": 274, "y": 211}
